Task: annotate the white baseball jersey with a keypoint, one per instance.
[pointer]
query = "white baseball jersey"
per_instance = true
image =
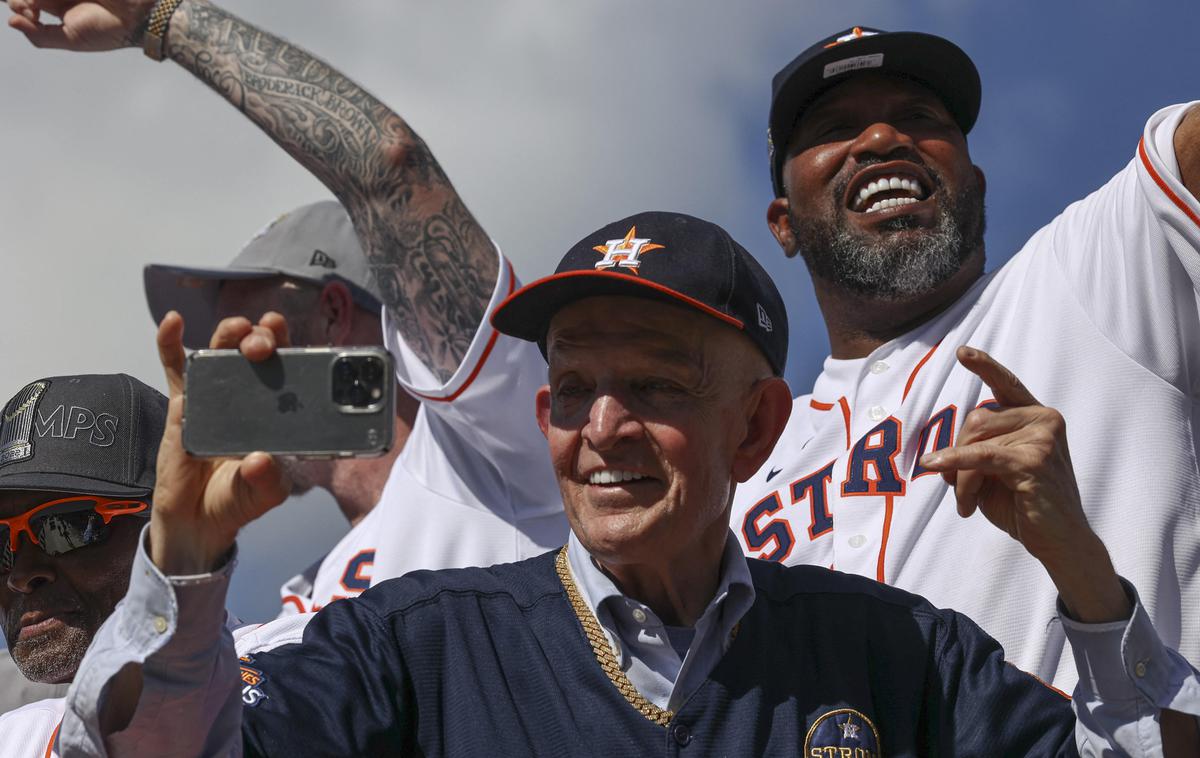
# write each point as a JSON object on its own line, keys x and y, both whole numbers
{"x": 31, "y": 730}
{"x": 473, "y": 485}
{"x": 1097, "y": 315}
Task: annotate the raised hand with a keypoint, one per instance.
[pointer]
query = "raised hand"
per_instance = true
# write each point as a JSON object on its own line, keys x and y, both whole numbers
{"x": 201, "y": 503}
{"x": 1012, "y": 464}
{"x": 84, "y": 25}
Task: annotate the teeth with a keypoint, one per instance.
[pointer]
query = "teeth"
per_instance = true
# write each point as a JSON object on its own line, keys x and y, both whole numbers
{"x": 891, "y": 202}
{"x": 887, "y": 184}
{"x": 613, "y": 477}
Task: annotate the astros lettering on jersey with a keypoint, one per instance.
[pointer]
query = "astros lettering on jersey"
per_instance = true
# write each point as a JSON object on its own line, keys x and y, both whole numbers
{"x": 1097, "y": 315}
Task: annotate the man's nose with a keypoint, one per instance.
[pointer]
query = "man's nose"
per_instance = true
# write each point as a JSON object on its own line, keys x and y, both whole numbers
{"x": 609, "y": 422}
{"x": 880, "y": 140}
{"x": 31, "y": 567}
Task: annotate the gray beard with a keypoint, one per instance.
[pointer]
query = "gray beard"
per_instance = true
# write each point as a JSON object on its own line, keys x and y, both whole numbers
{"x": 55, "y": 659}
{"x": 893, "y": 266}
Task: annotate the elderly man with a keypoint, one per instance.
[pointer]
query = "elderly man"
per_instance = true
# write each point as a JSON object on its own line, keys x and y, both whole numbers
{"x": 649, "y": 630}
{"x": 77, "y": 467}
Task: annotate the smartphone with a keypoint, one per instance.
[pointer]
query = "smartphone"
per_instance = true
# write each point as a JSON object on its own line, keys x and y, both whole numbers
{"x": 310, "y": 402}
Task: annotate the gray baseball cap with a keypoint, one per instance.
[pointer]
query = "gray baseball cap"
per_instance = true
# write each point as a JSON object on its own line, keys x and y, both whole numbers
{"x": 314, "y": 242}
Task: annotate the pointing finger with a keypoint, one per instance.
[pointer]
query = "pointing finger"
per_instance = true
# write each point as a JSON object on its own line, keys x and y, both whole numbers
{"x": 1006, "y": 387}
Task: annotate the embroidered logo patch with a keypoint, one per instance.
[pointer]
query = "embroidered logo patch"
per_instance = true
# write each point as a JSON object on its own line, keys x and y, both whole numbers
{"x": 322, "y": 259}
{"x": 16, "y": 429}
{"x": 625, "y": 253}
{"x": 843, "y": 733}
{"x": 252, "y": 681}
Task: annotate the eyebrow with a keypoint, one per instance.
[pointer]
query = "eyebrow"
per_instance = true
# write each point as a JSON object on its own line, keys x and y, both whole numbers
{"x": 566, "y": 346}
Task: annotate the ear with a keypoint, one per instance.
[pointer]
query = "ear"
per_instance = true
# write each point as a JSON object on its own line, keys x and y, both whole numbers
{"x": 542, "y": 401}
{"x": 769, "y": 407}
{"x": 979, "y": 177}
{"x": 335, "y": 311}
{"x": 781, "y": 226}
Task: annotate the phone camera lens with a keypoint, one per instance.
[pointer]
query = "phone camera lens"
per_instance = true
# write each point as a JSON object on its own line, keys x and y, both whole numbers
{"x": 372, "y": 370}
{"x": 357, "y": 380}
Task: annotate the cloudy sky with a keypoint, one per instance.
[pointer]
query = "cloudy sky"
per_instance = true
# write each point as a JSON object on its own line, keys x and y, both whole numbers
{"x": 551, "y": 119}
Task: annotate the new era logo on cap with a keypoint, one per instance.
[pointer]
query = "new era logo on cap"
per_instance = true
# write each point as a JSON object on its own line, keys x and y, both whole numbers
{"x": 670, "y": 257}
{"x": 322, "y": 259}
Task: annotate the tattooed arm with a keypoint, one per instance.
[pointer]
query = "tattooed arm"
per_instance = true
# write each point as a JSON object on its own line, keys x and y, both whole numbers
{"x": 434, "y": 263}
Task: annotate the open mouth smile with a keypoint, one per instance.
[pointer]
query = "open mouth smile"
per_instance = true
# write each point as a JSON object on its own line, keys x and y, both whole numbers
{"x": 887, "y": 186}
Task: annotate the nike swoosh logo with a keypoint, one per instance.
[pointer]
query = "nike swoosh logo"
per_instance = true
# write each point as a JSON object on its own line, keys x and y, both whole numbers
{"x": 771, "y": 474}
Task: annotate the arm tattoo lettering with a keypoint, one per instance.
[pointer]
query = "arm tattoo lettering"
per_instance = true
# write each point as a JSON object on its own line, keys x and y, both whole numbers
{"x": 434, "y": 264}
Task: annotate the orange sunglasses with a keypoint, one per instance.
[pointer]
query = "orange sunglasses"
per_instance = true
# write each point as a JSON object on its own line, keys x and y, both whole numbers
{"x": 60, "y": 526}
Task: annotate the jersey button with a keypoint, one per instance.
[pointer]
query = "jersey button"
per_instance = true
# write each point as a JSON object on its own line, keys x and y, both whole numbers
{"x": 1139, "y": 669}
{"x": 878, "y": 367}
{"x": 857, "y": 540}
{"x": 639, "y": 615}
{"x": 681, "y": 734}
{"x": 877, "y": 413}
{"x": 160, "y": 624}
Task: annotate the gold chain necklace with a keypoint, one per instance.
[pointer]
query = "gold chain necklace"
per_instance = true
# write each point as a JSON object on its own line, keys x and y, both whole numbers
{"x": 602, "y": 649}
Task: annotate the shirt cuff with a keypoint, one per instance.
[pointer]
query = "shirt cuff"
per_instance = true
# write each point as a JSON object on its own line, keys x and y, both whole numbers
{"x": 1126, "y": 660}
{"x": 186, "y": 611}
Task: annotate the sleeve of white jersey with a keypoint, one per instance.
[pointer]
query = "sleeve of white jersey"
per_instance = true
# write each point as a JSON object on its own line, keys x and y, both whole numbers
{"x": 1130, "y": 254}
{"x": 488, "y": 404}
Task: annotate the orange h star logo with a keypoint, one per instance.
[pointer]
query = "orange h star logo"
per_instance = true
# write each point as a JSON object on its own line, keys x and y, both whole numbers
{"x": 625, "y": 252}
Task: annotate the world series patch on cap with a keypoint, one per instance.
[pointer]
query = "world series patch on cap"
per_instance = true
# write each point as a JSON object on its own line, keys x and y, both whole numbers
{"x": 94, "y": 434}
{"x": 933, "y": 62}
{"x": 670, "y": 257}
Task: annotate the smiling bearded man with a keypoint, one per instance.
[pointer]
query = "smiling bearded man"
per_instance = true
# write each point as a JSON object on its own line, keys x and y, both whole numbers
{"x": 649, "y": 630}
{"x": 876, "y": 189}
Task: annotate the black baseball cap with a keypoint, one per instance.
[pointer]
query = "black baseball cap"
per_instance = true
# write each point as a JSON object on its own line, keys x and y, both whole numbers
{"x": 93, "y": 434}
{"x": 931, "y": 61}
{"x": 670, "y": 257}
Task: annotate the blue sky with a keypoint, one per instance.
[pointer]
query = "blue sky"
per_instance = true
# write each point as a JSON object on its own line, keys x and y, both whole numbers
{"x": 551, "y": 119}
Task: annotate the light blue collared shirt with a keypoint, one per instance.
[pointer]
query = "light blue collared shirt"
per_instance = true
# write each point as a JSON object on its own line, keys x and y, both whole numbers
{"x": 639, "y": 638}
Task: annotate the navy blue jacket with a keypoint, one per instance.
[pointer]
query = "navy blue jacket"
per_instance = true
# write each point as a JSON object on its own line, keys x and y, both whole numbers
{"x": 493, "y": 662}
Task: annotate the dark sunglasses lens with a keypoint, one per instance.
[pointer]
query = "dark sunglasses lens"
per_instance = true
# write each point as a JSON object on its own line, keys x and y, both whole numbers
{"x": 7, "y": 557}
{"x": 63, "y": 532}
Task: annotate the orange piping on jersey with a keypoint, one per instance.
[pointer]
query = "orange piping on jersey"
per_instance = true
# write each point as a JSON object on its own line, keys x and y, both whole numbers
{"x": 482, "y": 359}
{"x": 53, "y": 737}
{"x": 887, "y": 528}
{"x": 1163, "y": 185}
{"x": 817, "y": 405}
{"x": 296, "y": 601}
{"x": 1040, "y": 681}
{"x": 845, "y": 417}
{"x": 920, "y": 364}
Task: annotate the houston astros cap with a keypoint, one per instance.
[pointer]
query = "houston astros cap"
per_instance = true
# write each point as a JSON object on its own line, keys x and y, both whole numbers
{"x": 662, "y": 256}
{"x": 933, "y": 62}
{"x": 94, "y": 434}
{"x": 314, "y": 242}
